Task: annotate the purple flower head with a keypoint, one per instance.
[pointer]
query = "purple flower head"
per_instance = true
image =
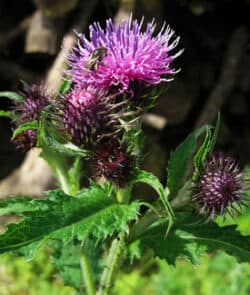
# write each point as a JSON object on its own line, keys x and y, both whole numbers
{"x": 29, "y": 109}
{"x": 26, "y": 140}
{"x": 113, "y": 161}
{"x": 119, "y": 56}
{"x": 86, "y": 115}
{"x": 34, "y": 101}
{"x": 220, "y": 186}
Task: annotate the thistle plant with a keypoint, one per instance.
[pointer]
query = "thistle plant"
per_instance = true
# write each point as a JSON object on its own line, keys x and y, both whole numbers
{"x": 92, "y": 231}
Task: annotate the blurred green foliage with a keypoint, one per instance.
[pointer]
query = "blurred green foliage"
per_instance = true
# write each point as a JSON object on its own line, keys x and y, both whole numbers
{"x": 38, "y": 277}
{"x": 216, "y": 275}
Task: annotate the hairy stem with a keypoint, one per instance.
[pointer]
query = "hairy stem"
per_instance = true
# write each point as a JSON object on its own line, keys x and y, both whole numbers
{"x": 113, "y": 263}
{"x": 87, "y": 274}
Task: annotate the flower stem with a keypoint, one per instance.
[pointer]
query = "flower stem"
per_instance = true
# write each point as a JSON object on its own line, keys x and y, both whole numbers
{"x": 87, "y": 274}
{"x": 140, "y": 227}
{"x": 113, "y": 263}
{"x": 63, "y": 180}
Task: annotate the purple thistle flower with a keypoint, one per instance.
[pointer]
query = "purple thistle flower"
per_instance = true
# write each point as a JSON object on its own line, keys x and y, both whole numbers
{"x": 119, "y": 56}
{"x": 220, "y": 186}
{"x": 113, "y": 161}
{"x": 29, "y": 109}
{"x": 86, "y": 115}
{"x": 26, "y": 139}
{"x": 35, "y": 100}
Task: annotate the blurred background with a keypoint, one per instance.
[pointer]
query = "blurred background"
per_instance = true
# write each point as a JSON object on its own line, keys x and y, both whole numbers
{"x": 35, "y": 37}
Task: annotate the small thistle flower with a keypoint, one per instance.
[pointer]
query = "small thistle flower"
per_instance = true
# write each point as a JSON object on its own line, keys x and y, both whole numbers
{"x": 86, "y": 115}
{"x": 26, "y": 140}
{"x": 220, "y": 186}
{"x": 119, "y": 56}
{"x": 112, "y": 161}
{"x": 29, "y": 109}
{"x": 35, "y": 100}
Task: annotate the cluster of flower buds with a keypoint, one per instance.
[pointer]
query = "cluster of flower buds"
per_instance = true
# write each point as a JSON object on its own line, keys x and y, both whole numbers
{"x": 113, "y": 73}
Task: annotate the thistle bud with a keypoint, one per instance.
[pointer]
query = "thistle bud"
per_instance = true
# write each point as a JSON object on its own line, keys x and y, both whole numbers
{"x": 113, "y": 161}
{"x": 29, "y": 109}
{"x": 220, "y": 186}
{"x": 85, "y": 116}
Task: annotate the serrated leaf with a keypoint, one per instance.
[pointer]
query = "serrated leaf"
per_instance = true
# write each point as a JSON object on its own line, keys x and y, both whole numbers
{"x": 6, "y": 114}
{"x": 11, "y": 95}
{"x": 25, "y": 126}
{"x": 64, "y": 217}
{"x": 190, "y": 237}
{"x": 16, "y": 205}
{"x": 178, "y": 162}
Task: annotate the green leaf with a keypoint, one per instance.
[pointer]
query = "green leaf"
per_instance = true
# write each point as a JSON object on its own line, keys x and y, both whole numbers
{"x": 11, "y": 95}
{"x": 215, "y": 134}
{"x": 17, "y": 205}
{"x": 59, "y": 166}
{"x": 65, "y": 86}
{"x": 153, "y": 181}
{"x": 66, "y": 258}
{"x": 69, "y": 149}
{"x": 75, "y": 175}
{"x": 90, "y": 213}
{"x": 6, "y": 114}
{"x": 202, "y": 153}
{"x": 190, "y": 237}
{"x": 25, "y": 126}
{"x": 178, "y": 162}
{"x": 205, "y": 149}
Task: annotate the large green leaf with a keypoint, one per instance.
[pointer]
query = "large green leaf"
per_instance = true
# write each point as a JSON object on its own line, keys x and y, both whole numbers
{"x": 179, "y": 160}
{"x": 17, "y": 205}
{"x": 190, "y": 237}
{"x": 63, "y": 217}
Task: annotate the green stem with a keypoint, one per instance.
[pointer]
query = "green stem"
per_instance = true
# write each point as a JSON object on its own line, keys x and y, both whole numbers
{"x": 140, "y": 227}
{"x": 87, "y": 274}
{"x": 59, "y": 166}
{"x": 113, "y": 263}
{"x": 62, "y": 179}
{"x": 123, "y": 195}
